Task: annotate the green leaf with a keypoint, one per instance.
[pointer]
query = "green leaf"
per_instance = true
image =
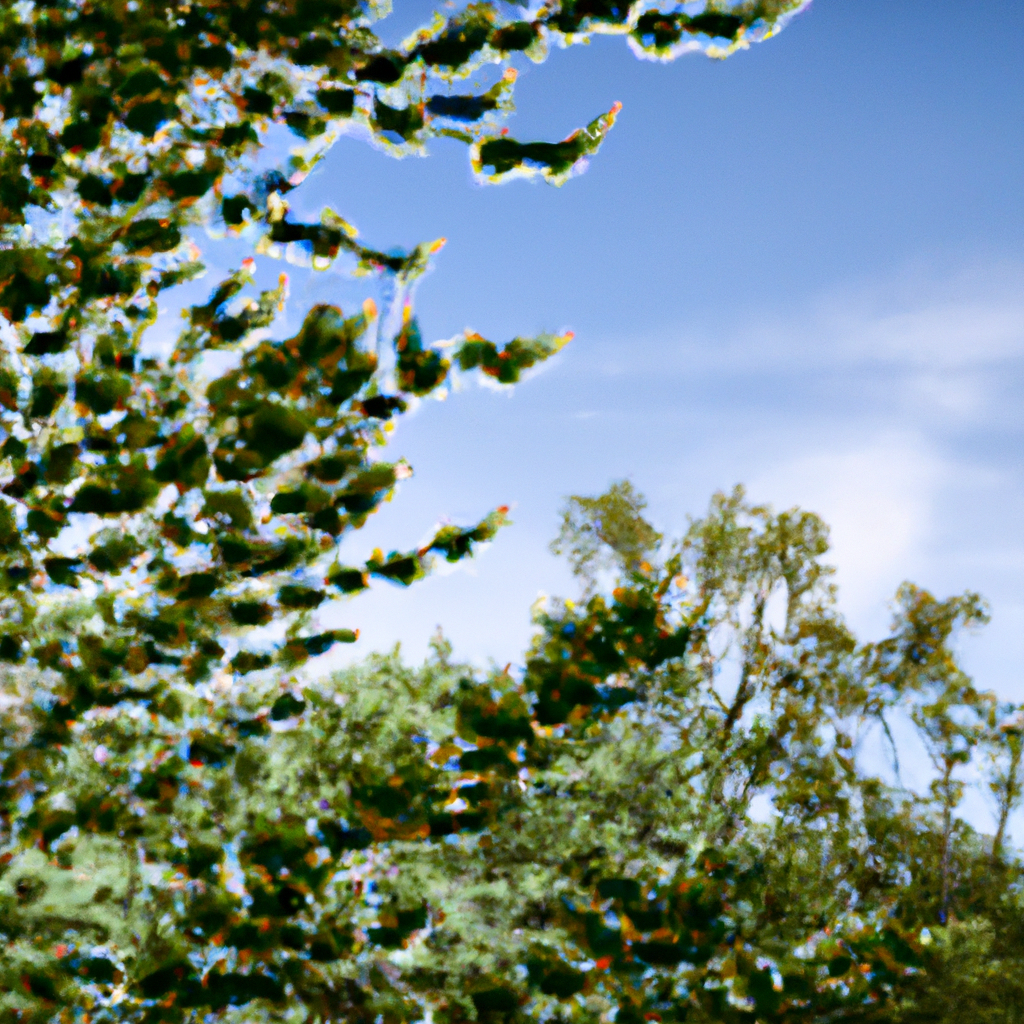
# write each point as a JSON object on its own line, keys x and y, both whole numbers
{"x": 101, "y": 391}
{"x": 150, "y": 235}
{"x": 403, "y": 121}
{"x": 339, "y": 102}
{"x": 555, "y": 160}
{"x": 141, "y": 83}
{"x": 149, "y": 116}
{"x": 286, "y": 706}
{"x": 93, "y": 189}
{"x": 49, "y": 389}
{"x": 347, "y": 580}
{"x": 190, "y": 184}
{"x": 234, "y": 209}
{"x": 114, "y": 551}
{"x": 292, "y": 596}
{"x": 183, "y": 460}
{"x": 46, "y": 343}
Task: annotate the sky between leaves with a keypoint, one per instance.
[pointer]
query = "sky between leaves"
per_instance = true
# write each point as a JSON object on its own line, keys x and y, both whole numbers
{"x": 801, "y": 268}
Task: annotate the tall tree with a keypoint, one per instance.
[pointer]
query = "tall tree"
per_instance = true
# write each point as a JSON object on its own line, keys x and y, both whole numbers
{"x": 172, "y": 502}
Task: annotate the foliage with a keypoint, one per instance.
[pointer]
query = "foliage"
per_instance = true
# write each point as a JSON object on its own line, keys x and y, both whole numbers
{"x": 608, "y": 530}
{"x": 196, "y": 488}
{"x": 980, "y": 974}
{"x": 193, "y": 827}
{"x": 662, "y": 817}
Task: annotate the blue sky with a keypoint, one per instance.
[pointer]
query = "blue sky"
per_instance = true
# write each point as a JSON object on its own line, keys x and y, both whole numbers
{"x": 801, "y": 269}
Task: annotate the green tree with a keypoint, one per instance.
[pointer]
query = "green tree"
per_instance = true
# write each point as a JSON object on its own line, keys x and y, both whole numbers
{"x": 606, "y": 531}
{"x": 638, "y": 825}
{"x": 191, "y": 825}
{"x": 196, "y": 489}
{"x": 172, "y": 501}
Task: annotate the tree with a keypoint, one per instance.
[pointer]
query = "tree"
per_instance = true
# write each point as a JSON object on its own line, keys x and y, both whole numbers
{"x": 127, "y": 126}
{"x": 170, "y": 512}
{"x": 580, "y": 840}
{"x": 609, "y": 530}
{"x": 191, "y": 826}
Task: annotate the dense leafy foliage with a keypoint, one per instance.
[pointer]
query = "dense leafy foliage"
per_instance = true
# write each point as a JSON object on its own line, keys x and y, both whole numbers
{"x": 191, "y": 823}
{"x": 663, "y": 816}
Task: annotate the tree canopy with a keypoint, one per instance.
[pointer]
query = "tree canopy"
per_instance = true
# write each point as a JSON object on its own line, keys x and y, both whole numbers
{"x": 665, "y": 816}
{"x": 192, "y": 825}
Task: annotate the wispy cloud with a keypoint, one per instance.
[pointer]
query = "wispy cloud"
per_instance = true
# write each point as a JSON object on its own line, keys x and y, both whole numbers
{"x": 878, "y": 498}
{"x": 892, "y": 410}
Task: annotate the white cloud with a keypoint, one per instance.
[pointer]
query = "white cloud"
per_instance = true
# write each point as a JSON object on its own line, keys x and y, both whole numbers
{"x": 878, "y": 498}
{"x": 935, "y": 324}
{"x": 892, "y": 411}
